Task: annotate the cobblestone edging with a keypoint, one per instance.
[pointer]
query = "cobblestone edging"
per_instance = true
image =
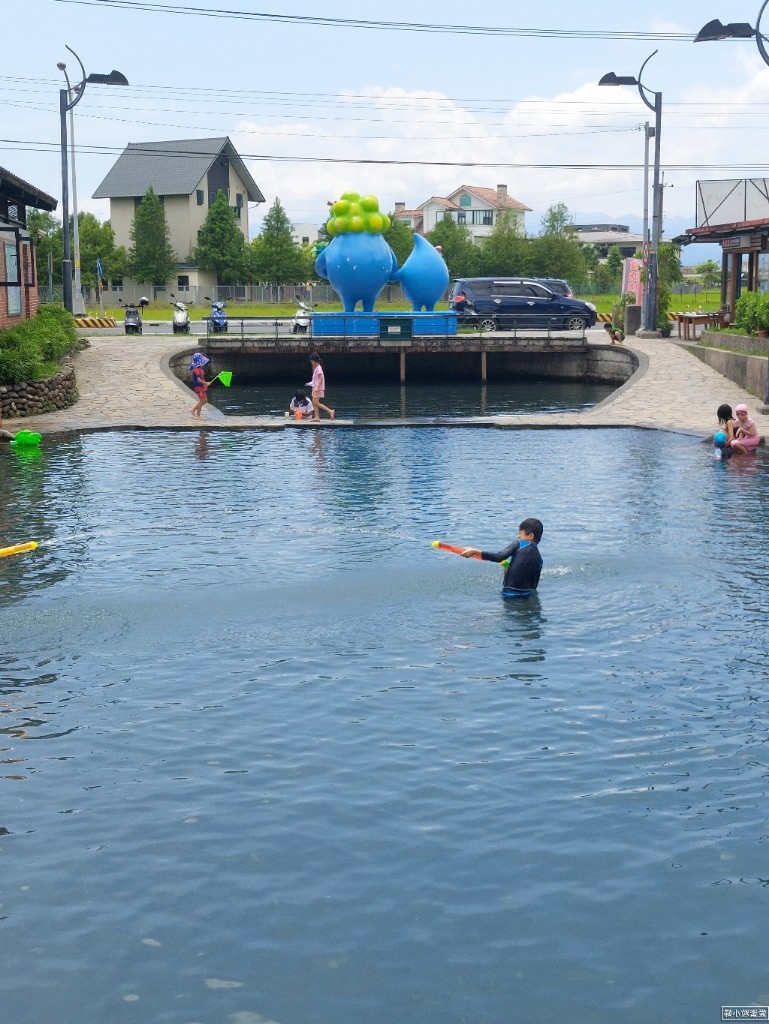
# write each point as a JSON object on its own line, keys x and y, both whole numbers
{"x": 39, "y": 396}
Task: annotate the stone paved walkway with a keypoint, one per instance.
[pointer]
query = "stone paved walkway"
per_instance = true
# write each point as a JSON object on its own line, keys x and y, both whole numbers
{"x": 672, "y": 390}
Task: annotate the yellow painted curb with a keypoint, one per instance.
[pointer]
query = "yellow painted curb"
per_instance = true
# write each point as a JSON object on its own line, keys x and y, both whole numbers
{"x": 95, "y": 321}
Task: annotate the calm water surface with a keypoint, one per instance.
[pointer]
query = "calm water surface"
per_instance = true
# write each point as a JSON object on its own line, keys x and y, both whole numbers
{"x": 420, "y": 401}
{"x": 267, "y": 755}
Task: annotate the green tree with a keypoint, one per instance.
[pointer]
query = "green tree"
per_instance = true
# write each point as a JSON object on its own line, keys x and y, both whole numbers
{"x": 117, "y": 264}
{"x": 96, "y": 241}
{"x": 456, "y": 242}
{"x": 557, "y": 221}
{"x": 275, "y": 257}
{"x": 400, "y": 239}
{"x": 151, "y": 256}
{"x": 614, "y": 265}
{"x": 668, "y": 273}
{"x": 48, "y": 237}
{"x": 221, "y": 246}
{"x": 709, "y": 273}
{"x": 554, "y": 255}
{"x": 505, "y": 253}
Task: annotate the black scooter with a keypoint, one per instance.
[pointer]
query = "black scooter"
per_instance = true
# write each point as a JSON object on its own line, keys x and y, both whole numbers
{"x": 132, "y": 320}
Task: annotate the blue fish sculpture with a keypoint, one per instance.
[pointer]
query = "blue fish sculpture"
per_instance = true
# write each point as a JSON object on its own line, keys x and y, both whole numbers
{"x": 357, "y": 265}
{"x": 424, "y": 276}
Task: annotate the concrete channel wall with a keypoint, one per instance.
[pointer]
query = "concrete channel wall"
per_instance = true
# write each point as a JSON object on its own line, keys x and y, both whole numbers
{"x": 749, "y": 371}
{"x": 435, "y": 359}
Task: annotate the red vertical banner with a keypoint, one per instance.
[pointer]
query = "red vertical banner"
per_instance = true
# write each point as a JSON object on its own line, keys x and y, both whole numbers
{"x": 632, "y": 280}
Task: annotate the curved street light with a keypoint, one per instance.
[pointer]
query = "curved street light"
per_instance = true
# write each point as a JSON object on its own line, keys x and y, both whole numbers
{"x": 716, "y": 30}
{"x": 651, "y": 303}
{"x": 68, "y": 99}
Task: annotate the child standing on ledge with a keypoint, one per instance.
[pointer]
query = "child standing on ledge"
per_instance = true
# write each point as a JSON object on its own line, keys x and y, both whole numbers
{"x": 199, "y": 383}
{"x": 318, "y": 385}
{"x": 523, "y": 572}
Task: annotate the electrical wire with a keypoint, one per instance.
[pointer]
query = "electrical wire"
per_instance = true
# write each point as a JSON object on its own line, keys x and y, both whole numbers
{"x": 23, "y": 145}
{"x": 389, "y": 26}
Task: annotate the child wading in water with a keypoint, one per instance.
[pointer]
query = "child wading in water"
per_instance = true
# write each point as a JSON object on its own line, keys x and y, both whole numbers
{"x": 318, "y": 385}
{"x": 199, "y": 383}
{"x": 523, "y": 572}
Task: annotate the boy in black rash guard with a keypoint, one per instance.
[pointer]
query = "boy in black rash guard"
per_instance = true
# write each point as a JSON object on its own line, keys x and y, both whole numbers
{"x": 522, "y": 574}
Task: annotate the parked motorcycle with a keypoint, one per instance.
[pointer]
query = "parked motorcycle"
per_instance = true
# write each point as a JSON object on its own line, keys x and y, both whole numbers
{"x": 301, "y": 319}
{"x": 132, "y": 321}
{"x": 218, "y": 317}
{"x": 181, "y": 318}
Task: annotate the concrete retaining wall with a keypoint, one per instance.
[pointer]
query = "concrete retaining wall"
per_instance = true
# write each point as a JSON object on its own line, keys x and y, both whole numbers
{"x": 608, "y": 363}
{"x": 29, "y": 399}
{"x": 750, "y": 372}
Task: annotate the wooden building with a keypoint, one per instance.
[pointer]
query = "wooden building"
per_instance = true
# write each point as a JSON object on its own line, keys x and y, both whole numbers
{"x": 734, "y": 213}
{"x": 18, "y": 268}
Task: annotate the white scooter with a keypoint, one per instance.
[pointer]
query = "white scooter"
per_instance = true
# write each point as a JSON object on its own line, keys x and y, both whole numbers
{"x": 181, "y": 318}
{"x": 301, "y": 320}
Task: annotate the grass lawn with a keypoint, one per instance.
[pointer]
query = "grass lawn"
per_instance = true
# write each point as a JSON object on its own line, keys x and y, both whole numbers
{"x": 705, "y": 302}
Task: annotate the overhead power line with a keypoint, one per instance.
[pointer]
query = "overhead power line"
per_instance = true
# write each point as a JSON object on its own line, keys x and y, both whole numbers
{"x": 52, "y": 147}
{"x": 386, "y": 26}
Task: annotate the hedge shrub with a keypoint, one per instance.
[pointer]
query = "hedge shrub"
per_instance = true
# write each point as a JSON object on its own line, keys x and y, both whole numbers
{"x": 27, "y": 350}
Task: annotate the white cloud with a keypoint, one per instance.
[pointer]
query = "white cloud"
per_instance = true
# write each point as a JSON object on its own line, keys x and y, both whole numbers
{"x": 591, "y": 124}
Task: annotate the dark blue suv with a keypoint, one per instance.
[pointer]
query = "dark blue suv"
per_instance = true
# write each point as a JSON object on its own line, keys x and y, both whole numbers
{"x": 502, "y": 303}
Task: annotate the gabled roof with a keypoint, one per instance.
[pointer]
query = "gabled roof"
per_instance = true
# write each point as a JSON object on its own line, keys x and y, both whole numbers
{"x": 492, "y": 197}
{"x": 28, "y": 195}
{"x": 440, "y": 201}
{"x": 172, "y": 168}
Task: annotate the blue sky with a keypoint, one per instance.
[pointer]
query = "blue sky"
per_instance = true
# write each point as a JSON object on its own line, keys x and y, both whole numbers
{"x": 305, "y": 103}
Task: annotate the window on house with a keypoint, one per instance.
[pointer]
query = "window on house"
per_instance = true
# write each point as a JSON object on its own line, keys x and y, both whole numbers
{"x": 465, "y": 200}
{"x": 183, "y": 283}
{"x": 482, "y": 216}
{"x": 12, "y": 274}
{"x": 461, "y": 217}
{"x": 200, "y": 196}
{"x": 116, "y": 284}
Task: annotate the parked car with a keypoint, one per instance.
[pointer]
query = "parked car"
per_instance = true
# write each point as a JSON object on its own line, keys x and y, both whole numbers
{"x": 497, "y": 304}
{"x": 556, "y": 284}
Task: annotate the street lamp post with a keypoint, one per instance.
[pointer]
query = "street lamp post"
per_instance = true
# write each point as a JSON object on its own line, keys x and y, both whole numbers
{"x": 68, "y": 99}
{"x": 715, "y": 30}
{"x": 650, "y": 304}
{"x": 78, "y": 306}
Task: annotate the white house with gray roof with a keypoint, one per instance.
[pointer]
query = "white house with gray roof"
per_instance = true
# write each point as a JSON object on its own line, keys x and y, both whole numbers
{"x": 187, "y": 175}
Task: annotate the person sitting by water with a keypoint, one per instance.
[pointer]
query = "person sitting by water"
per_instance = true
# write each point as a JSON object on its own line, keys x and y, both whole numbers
{"x": 726, "y": 421}
{"x": 616, "y": 335}
{"x": 525, "y": 566}
{"x": 746, "y": 436}
{"x": 300, "y": 406}
{"x": 721, "y": 449}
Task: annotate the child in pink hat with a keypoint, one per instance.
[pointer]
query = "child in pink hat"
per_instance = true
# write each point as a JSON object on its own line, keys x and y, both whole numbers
{"x": 746, "y": 436}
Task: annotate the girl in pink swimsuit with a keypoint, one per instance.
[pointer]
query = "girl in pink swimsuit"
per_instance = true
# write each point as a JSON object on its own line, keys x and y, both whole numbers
{"x": 318, "y": 385}
{"x": 746, "y": 436}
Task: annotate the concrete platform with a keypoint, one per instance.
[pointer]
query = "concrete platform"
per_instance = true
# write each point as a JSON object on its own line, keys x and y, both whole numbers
{"x": 127, "y": 384}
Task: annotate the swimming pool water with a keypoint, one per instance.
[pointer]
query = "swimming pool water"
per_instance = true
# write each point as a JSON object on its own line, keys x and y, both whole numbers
{"x": 415, "y": 400}
{"x": 267, "y": 755}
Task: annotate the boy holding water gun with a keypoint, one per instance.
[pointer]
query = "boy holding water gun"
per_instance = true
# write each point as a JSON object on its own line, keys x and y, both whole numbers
{"x": 523, "y": 571}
